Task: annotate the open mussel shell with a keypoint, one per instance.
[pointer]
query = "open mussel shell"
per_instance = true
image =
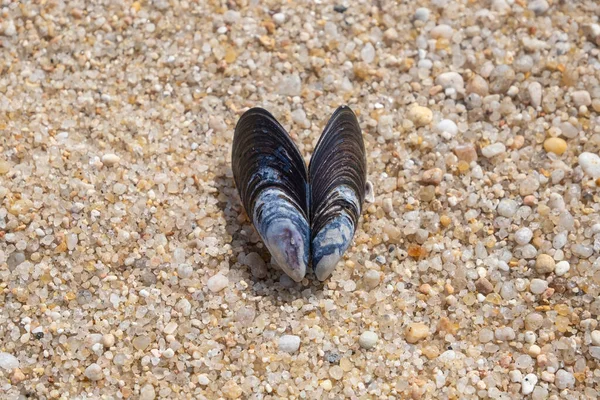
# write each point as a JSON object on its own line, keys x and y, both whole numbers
{"x": 272, "y": 181}
{"x": 301, "y": 216}
{"x": 338, "y": 181}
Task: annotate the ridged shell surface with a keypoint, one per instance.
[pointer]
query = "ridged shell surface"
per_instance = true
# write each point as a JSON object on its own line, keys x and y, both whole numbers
{"x": 272, "y": 181}
{"x": 337, "y": 176}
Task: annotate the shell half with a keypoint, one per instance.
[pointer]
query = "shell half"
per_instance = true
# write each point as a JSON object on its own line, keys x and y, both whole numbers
{"x": 338, "y": 181}
{"x": 272, "y": 181}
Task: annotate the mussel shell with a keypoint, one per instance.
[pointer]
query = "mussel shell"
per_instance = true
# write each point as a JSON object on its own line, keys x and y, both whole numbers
{"x": 338, "y": 179}
{"x": 272, "y": 181}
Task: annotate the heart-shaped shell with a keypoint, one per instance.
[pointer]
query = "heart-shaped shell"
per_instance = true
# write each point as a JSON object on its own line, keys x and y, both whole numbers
{"x": 301, "y": 215}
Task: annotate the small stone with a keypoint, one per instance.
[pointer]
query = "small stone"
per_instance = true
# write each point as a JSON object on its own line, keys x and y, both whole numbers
{"x": 367, "y": 340}
{"x": 326, "y": 385}
{"x": 581, "y": 98}
{"x": 258, "y": 267}
{"x": 507, "y": 208}
{"x": 544, "y": 264}
{"x": 336, "y": 372}
{"x": 451, "y": 80}
{"x": 535, "y": 94}
{"x": 505, "y": 334}
{"x": 291, "y": 85}
{"x": 368, "y": 53}
{"x": 147, "y": 392}
{"x": 478, "y": 85}
{"x": 534, "y": 321}
{"x": 419, "y": 115}
{"x": 422, "y": 14}
{"x": 447, "y": 126}
{"x": 217, "y": 282}
{"x": 232, "y": 390}
{"x": 94, "y": 372}
{"x": 561, "y": 268}
{"x": 108, "y": 340}
{"x": 442, "y": 31}
{"x": 528, "y": 383}
{"x": 231, "y": 16}
{"x": 279, "y": 18}
{"x": 203, "y": 379}
{"x": 555, "y": 145}
{"x": 501, "y": 79}
{"x": 515, "y": 376}
{"x": 17, "y": 377}
{"x": 493, "y": 150}
{"x": 523, "y": 236}
{"x": 289, "y": 343}
{"x": 590, "y": 164}
{"x": 8, "y": 361}
{"x": 595, "y": 338}
{"x": 484, "y": 286}
{"x": 538, "y": 6}
{"x": 372, "y": 279}
{"x": 170, "y": 328}
{"x": 432, "y": 176}
{"x": 538, "y": 286}
{"x": 592, "y": 32}
{"x": 416, "y": 331}
{"x": 466, "y": 152}
{"x": 119, "y": 188}
{"x": 141, "y": 342}
{"x": 564, "y": 379}
{"x": 4, "y": 167}
{"x": 110, "y": 159}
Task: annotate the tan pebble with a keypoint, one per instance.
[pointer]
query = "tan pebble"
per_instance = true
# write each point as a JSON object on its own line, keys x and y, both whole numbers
{"x": 484, "y": 286}
{"x": 326, "y": 385}
{"x": 530, "y": 200}
{"x": 466, "y": 152}
{"x": 110, "y": 159}
{"x": 544, "y": 264}
{"x": 18, "y": 376}
{"x": 432, "y": 176}
{"x": 232, "y": 390}
{"x": 478, "y": 85}
{"x": 416, "y": 331}
{"x": 430, "y": 352}
{"x": 4, "y": 167}
{"x": 425, "y": 288}
{"x": 419, "y": 115}
{"x": 445, "y": 220}
{"x": 518, "y": 142}
{"x": 555, "y": 145}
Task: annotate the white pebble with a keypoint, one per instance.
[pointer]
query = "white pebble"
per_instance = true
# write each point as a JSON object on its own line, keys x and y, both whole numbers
{"x": 93, "y": 372}
{"x": 289, "y": 343}
{"x": 507, "y": 208}
{"x": 515, "y": 376}
{"x": 595, "y": 338}
{"x": 505, "y": 333}
{"x": 538, "y": 286}
{"x": 523, "y": 236}
{"x": 590, "y": 164}
{"x": 448, "y": 126}
{"x": 493, "y": 150}
{"x": 564, "y": 379}
{"x": 8, "y": 361}
{"x": 279, "y": 18}
{"x": 535, "y": 94}
{"x": 367, "y": 340}
{"x": 368, "y": 53}
{"x": 442, "y": 31}
{"x": 217, "y": 282}
{"x": 110, "y": 159}
{"x": 528, "y": 383}
{"x": 422, "y": 14}
{"x": 147, "y": 392}
{"x": 581, "y": 98}
{"x": 372, "y": 278}
{"x": 451, "y": 80}
{"x": 561, "y": 268}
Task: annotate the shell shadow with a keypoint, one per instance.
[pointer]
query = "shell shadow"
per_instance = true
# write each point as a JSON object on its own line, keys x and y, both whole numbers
{"x": 245, "y": 240}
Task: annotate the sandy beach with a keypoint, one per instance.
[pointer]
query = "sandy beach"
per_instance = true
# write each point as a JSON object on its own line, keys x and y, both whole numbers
{"x": 129, "y": 269}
